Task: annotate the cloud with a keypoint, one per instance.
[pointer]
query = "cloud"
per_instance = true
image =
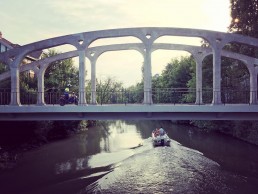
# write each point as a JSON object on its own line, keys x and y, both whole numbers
{"x": 102, "y": 14}
{"x": 92, "y": 15}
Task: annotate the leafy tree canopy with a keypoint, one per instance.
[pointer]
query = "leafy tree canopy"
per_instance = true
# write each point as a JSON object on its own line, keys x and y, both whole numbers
{"x": 244, "y": 15}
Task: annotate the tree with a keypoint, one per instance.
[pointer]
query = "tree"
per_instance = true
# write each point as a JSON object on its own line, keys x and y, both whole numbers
{"x": 61, "y": 74}
{"x": 4, "y": 84}
{"x": 244, "y": 15}
{"x": 171, "y": 85}
{"x": 135, "y": 93}
{"x": 244, "y": 21}
{"x": 109, "y": 91}
{"x": 177, "y": 73}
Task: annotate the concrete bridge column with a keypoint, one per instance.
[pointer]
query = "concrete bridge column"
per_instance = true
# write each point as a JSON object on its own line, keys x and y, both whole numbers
{"x": 253, "y": 87}
{"x": 198, "y": 82}
{"x": 216, "y": 75}
{"x": 147, "y": 77}
{"x": 40, "y": 96}
{"x": 93, "y": 81}
{"x": 15, "y": 86}
{"x": 82, "y": 78}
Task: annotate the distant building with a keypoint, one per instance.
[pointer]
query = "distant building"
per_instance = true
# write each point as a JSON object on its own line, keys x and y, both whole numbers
{"x": 6, "y": 45}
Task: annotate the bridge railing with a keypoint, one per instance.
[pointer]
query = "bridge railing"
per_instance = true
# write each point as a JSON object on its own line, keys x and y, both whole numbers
{"x": 119, "y": 97}
{"x": 181, "y": 96}
{"x": 174, "y": 95}
{"x": 5, "y": 96}
{"x": 233, "y": 96}
{"x": 52, "y": 97}
{"x": 159, "y": 96}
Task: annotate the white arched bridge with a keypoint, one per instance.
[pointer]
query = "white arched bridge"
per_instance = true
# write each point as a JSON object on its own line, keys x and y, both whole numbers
{"x": 148, "y": 108}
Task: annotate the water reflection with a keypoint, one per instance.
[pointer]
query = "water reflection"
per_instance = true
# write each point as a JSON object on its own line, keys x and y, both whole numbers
{"x": 74, "y": 165}
{"x": 102, "y": 145}
{"x": 121, "y": 136}
{"x": 122, "y": 152}
{"x": 232, "y": 154}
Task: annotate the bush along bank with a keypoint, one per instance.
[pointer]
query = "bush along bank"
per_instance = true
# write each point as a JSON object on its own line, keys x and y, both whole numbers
{"x": 20, "y": 136}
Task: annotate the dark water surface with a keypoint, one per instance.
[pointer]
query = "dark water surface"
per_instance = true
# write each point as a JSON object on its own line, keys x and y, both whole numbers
{"x": 118, "y": 157}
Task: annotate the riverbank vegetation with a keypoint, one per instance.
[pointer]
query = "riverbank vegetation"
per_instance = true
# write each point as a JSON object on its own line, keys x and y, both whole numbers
{"x": 180, "y": 73}
{"x": 17, "y": 137}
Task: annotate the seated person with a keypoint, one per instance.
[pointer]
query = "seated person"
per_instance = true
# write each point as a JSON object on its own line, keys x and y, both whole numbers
{"x": 156, "y": 132}
{"x": 161, "y": 131}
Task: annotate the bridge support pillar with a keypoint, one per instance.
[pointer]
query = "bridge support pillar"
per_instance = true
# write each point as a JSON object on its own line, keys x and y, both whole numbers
{"x": 15, "y": 86}
{"x": 93, "y": 81}
{"x": 82, "y": 78}
{"x": 198, "y": 82}
{"x": 147, "y": 77}
{"x": 253, "y": 97}
{"x": 40, "y": 95}
{"x": 216, "y": 75}
{"x": 253, "y": 87}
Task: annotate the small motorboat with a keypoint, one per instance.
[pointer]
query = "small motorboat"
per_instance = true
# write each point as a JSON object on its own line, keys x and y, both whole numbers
{"x": 160, "y": 139}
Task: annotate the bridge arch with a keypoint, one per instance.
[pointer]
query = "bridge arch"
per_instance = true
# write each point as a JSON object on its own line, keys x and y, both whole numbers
{"x": 147, "y": 35}
{"x": 95, "y": 52}
{"x": 198, "y": 53}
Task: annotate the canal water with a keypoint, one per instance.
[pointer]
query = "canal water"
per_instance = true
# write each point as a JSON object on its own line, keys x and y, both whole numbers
{"x": 118, "y": 157}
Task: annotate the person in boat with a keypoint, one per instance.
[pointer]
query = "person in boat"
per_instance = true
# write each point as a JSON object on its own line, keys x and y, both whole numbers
{"x": 156, "y": 132}
{"x": 161, "y": 131}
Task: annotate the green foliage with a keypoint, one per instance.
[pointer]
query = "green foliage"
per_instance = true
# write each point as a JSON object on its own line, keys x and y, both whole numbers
{"x": 109, "y": 91}
{"x": 4, "y": 68}
{"x": 235, "y": 76}
{"x": 245, "y": 130}
{"x": 244, "y": 21}
{"x": 28, "y": 82}
{"x": 177, "y": 73}
{"x": 223, "y": 126}
{"x": 5, "y": 83}
{"x": 244, "y": 15}
{"x": 135, "y": 93}
{"x": 235, "y": 81}
{"x": 61, "y": 74}
{"x": 61, "y": 129}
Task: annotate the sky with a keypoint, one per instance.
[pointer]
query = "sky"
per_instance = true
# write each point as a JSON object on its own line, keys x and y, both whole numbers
{"x": 28, "y": 21}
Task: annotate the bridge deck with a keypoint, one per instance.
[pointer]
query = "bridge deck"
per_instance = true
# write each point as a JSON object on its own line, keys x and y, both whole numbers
{"x": 131, "y": 112}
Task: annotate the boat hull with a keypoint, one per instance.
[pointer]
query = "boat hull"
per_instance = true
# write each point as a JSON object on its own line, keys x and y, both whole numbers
{"x": 160, "y": 140}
